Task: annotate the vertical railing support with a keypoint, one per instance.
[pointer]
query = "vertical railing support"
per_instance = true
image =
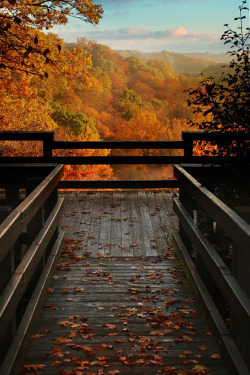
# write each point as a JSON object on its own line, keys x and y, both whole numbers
{"x": 48, "y": 145}
{"x": 188, "y": 144}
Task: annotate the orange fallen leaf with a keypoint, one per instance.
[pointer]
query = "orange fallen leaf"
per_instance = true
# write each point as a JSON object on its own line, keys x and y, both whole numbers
{"x": 200, "y": 369}
{"x": 35, "y": 367}
{"x": 202, "y": 347}
{"x": 187, "y": 352}
{"x": 215, "y": 356}
{"x": 37, "y": 336}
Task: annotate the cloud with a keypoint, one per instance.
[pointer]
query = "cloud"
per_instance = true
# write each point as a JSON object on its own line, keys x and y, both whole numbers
{"x": 137, "y": 34}
{"x": 178, "y": 39}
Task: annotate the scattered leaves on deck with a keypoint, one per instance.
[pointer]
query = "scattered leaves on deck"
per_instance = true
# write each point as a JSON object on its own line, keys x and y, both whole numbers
{"x": 168, "y": 320}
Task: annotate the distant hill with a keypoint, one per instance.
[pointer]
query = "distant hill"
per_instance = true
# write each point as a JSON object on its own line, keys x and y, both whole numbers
{"x": 208, "y": 56}
{"x": 193, "y": 63}
{"x": 216, "y": 71}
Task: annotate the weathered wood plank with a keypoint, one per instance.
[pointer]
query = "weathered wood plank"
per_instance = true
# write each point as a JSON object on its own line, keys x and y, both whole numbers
{"x": 15, "y": 223}
{"x": 230, "y": 288}
{"x": 17, "y": 285}
{"x": 226, "y": 218}
{"x": 114, "y": 304}
{"x": 147, "y": 230}
{"x": 13, "y": 358}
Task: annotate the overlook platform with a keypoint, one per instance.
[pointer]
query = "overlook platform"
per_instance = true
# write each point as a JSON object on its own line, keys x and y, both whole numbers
{"x": 120, "y": 302}
{"x": 129, "y": 284}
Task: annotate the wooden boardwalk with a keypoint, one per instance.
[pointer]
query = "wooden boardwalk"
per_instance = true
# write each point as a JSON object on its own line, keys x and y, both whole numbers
{"x": 119, "y": 302}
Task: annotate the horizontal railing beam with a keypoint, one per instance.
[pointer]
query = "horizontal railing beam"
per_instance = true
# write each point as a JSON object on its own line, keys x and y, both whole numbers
{"x": 215, "y": 136}
{"x": 143, "y": 184}
{"x": 94, "y": 160}
{"x": 26, "y": 136}
{"x": 124, "y": 145}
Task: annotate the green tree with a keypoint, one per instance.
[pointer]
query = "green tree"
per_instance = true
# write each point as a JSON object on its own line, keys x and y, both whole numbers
{"x": 129, "y": 104}
{"x": 78, "y": 123}
{"x": 225, "y": 102}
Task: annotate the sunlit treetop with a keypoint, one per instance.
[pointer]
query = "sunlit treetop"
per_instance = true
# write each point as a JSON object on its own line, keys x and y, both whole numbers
{"x": 22, "y": 45}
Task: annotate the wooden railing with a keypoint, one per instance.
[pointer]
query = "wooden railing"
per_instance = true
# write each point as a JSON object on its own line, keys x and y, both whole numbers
{"x": 29, "y": 248}
{"x": 225, "y": 292}
{"x": 24, "y": 252}
{"x": 186, "y": 145}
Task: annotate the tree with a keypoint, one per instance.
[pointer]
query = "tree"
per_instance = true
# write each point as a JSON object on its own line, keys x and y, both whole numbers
{"x": 78, "y": 123}
{"x": 225, "y": 103}
{"x": 22, "y": 44}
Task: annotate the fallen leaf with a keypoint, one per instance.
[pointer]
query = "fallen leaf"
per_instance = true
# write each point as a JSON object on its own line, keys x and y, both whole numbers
{"x": 37, "y": 336}
{"x": 215, "y": 356}
{"x": 35, "y": 367}
{"x": 200, "y": 369}
{"x": 202, "y": 348}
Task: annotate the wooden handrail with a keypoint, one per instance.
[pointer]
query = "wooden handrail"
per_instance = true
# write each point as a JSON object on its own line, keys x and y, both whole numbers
{"x": 15, "y": 223}
{"x": 223, "y": 284}
{"x": 25, "y": 270}
{"x": 228, "y": 220}
{"x": 30, "y": 244}
{"x": 186, "y": 144}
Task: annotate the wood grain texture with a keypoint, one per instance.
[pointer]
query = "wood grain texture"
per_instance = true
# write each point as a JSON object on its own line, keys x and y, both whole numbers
{"x": 117, "y": 303}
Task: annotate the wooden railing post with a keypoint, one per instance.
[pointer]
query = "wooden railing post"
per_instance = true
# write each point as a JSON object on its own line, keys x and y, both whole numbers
{"x": 188, "y": 144}
{"x": 188, "y": 202}
{"x": 48, "y": 138}
{"x": 240, "y": 330}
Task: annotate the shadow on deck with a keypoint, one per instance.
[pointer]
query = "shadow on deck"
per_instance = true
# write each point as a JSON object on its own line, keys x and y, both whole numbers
{"x": 120, "y": 302}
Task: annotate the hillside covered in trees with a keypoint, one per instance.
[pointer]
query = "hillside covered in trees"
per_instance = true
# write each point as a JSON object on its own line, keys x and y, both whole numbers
{"x": 193, "y": 63}
{"x": 123, "y": 98}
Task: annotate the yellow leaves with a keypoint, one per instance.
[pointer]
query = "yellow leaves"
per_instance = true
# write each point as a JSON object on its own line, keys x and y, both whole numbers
{"x": 22, "y": 43}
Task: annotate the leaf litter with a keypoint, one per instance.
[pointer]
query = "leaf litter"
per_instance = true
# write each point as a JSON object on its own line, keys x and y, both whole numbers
{"x": 158, "y": 336}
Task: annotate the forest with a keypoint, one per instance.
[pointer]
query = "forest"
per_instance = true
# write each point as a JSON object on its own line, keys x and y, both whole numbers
{"x": 123, "y": 98}
{"x": 100, "y": 95}
{"x": 85, "y": 91}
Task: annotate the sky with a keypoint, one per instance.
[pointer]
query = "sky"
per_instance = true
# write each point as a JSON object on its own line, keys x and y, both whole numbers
{"x": 156, "y": 25}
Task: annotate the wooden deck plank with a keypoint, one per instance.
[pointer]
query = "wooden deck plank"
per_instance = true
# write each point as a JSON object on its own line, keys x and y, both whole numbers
{"x": 118, "y": 311}
{"x": 147, "y": 230}
{"x": 93, "y": 220}
{"x": 136, "y": 232}
{"x": 116, "y": 226}
{"x": 127, "y": 243}
{"x": 155, "y": 211}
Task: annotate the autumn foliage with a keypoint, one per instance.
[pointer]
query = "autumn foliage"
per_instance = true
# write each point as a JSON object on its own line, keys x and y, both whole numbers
{"x": 84, "y": 90}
